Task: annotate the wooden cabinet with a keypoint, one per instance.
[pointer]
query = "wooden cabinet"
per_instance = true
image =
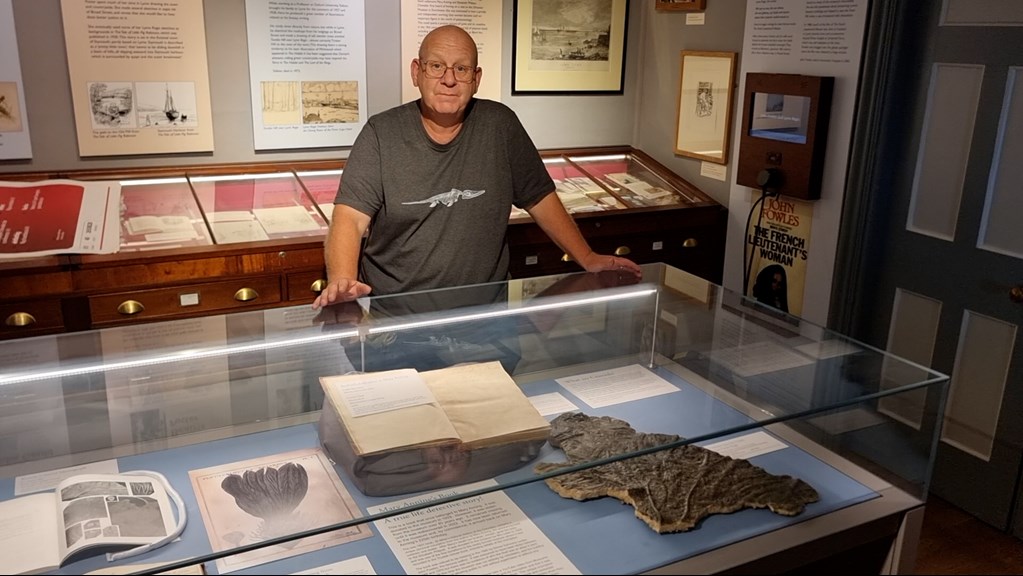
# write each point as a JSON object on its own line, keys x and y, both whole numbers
{"x": 244, "y": 237}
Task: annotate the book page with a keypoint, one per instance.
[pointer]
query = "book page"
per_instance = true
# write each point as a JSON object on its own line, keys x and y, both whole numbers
{"x": 102, "y": 510}
{"x": 149, "y": 224}
{"x": 382, "y": 391}
{"x": 238, "y": 231}
{"x": 285, "y": 219}
{"x": 29, "y": 534}
{"x": 484, "y": 403}
{"x": 405, "y": 427}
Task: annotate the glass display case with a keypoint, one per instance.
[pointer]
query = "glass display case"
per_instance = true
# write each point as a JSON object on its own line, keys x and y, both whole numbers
{"x": 253, "y": 208}
{"x": 322, "y": 185}
{"x": 160, "y": 213}
{"x": 199, "y": 240}
{"x": 738, "y": 438}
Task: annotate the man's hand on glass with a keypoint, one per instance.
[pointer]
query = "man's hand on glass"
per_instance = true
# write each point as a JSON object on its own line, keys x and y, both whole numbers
{"x": 342, "y": 290}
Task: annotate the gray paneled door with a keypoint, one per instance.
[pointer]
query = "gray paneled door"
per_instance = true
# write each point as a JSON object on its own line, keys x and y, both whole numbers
{"x": 931, "y": 252}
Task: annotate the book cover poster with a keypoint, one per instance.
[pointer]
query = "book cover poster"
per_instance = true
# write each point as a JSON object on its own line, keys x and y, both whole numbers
{"x": 779, "y": 246}
{"x": 273, "y": 496}
{"x": 58, "y": 216}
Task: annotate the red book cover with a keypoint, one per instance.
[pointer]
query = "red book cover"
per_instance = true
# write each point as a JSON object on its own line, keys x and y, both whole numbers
{"x": 41, "y": 217}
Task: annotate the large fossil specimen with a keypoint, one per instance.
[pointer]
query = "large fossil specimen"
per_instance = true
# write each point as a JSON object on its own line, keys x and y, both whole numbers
{"x": 671, "y": 489}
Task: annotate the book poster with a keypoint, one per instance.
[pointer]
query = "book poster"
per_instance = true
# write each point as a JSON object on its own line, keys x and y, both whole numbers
{"x": 779, "y": 248}
{"x": 482, "y": 19}
{"x": 273, "y": 496}
{"x": 139, "y": 76}
{"x": 58, "y": 217}
{"x": 307, "y": 69}
{"x": 14, "y": 135}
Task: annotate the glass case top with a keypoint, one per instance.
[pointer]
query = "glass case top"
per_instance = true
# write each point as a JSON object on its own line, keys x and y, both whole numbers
{"x": 322, "y": 185}
{"x": 632, "y": 179}
{"x": 248, "y": 208}
{"x": 160, "y": 213}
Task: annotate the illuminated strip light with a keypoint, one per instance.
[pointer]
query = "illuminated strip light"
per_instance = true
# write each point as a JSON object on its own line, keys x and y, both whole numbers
{"x": 554, "y": 160}
{"x": 600, "y": 158}
{"x": 147, "y": 181}
{"x": 321, "y": 172}
{"x": 241, "y": 177}
{"x": 242, "y": 348}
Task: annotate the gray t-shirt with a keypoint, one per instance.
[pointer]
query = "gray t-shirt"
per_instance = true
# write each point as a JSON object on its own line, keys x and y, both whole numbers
{"x": 440, "y": 212}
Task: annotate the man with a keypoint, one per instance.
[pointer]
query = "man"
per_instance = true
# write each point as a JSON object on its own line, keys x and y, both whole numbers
{"x": 434, "y": 181}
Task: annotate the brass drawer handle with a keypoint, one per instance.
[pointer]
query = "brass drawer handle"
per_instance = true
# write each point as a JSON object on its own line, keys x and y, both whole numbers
{"x": 689, "y": 243}
{"x": 130, "y": 308}
{"x": 318, "y": 285}
{"x": 1015, "y": 294}
{"x": 246, "y": 294}
{"x": 20, "y": 319}
{"x": 622, "y": 251}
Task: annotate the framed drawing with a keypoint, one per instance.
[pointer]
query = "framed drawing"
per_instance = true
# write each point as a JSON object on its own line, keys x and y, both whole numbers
{"x": 688, "y": 5}
{"x": 703, "y": 121}
{"x": 556, "y": 53}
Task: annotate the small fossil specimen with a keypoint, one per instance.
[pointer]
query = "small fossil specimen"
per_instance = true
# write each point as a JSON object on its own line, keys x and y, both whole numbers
{"x": 671, "y": 489}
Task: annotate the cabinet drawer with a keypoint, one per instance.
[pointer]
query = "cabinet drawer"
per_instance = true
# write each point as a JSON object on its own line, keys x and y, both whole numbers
{"x": 303, "y": 286}
{"x": 182, "y": 301}
{"x": 30, "y": 318}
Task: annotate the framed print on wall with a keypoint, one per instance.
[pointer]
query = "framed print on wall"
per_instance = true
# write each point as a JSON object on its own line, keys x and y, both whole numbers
{"x": 703, "y": 120}
{"x": 569, "y": 46}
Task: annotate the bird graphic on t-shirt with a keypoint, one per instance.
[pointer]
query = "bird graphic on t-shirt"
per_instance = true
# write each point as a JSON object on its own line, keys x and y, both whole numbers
{"x": 448, "y": 198}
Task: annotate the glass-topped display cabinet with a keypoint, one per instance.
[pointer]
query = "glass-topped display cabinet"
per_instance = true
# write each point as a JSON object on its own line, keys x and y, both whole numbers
{"x": 575, "y": 423}
{"x": 199, "y": 240}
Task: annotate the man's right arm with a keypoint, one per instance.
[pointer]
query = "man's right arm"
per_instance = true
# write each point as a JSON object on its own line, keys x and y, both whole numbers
{"x": 341, "y": 254}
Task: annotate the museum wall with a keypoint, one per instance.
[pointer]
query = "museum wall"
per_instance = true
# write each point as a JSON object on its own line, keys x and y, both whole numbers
{"x": 643, "y": 116}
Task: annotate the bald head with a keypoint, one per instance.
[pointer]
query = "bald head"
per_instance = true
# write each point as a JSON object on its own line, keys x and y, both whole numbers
{"x": 446, "y": 38}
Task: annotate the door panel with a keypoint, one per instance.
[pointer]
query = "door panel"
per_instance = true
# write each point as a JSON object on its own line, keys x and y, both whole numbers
{"x": 936, "y": 213}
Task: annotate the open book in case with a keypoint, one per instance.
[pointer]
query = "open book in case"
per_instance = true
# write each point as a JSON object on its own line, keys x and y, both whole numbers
{"x": 687, "y": 429}
{"x": 199, "y": 240}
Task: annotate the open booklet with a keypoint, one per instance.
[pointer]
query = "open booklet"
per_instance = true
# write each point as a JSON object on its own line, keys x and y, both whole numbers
{"x": 85, "y": 514}
{"x": 402, "y": 430}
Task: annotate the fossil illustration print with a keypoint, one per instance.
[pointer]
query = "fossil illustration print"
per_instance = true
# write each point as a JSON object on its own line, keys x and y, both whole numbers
{"x": 272, "y": 495}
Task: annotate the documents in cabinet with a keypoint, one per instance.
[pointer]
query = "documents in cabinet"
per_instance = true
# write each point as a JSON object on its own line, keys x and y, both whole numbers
{"x": 402, "y": 430}
{"x": 85, "y": 513}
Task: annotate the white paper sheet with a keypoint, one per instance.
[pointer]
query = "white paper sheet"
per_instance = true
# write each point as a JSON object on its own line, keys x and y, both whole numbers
{"x": 609, "y": 387}
{"x": 486, "y": 534}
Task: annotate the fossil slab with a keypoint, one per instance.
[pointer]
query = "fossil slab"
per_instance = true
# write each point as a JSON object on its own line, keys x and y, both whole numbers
{"x": 671, "y": 489}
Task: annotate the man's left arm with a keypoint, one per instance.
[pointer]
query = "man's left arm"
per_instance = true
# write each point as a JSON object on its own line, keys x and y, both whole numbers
{"x": 550, "y": 214}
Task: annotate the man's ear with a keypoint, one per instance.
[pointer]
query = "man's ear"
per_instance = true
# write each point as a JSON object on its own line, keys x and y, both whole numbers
{"x": 414, "y": 70}
{"x": 479, "y": 78}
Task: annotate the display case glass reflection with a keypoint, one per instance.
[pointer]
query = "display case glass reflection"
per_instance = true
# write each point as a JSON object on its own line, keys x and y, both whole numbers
{"x": 577, "y": 191}
{"x": 160, "y": 213}
{"x": 249, "y": 208}
{"x": 629, "y": 178}
{"x": 322, "y": 185}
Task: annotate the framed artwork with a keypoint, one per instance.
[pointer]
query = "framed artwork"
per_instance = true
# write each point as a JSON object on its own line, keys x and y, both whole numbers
{"x": 704, "y": 115}
{"x": 569, "y": 46}
{"x": 688, "y": 5}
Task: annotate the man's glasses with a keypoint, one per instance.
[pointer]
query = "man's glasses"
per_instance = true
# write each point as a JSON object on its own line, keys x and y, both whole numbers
{"x": 434, "y": 69}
